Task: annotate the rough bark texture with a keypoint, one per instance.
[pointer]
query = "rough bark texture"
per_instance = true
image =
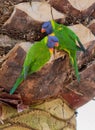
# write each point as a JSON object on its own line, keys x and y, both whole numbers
{"x": 27, "y": 26}
{"x": 24, "y": 24}
{"x": 56, "y": 81}
{"x": 55, "y": 85}
{"x": 75, "y": 10}
{"x": 92, "y": 26}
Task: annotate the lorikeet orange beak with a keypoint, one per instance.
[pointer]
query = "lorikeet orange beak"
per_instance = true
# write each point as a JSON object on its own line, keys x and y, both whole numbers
{"x": 56, "y": 44}
{"x": 43, "y": 30}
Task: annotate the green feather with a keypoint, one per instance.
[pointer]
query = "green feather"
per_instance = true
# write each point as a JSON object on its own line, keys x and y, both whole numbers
{"x": 74, "y": 64}
{"x": 67, "y": 35}
{"x": 18, "y": 82}
{"x": 67, "y": 41}
{"x": 36, "y": 58}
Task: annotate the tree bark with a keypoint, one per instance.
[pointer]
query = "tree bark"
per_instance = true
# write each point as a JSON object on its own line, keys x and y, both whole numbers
{"x": 56, "y": 81}
{"x": 51, "y": 95}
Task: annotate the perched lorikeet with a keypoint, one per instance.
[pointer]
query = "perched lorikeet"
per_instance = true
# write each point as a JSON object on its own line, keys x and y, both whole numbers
{"x": 67, "y": 41}
{"x": 38, "y": 55}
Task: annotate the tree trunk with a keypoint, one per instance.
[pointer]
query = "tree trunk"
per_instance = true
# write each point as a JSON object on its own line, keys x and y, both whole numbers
{"x": 51, "y": 96}
{"x": 50, "y": 115}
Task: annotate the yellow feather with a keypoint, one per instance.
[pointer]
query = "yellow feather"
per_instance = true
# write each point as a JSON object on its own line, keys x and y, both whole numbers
{"x": 52, "y": 34}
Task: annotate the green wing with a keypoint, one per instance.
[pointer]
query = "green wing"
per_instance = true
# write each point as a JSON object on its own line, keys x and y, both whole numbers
{"x": 73, "y": 59}
{"x": 74, "y": 37}
{"x": 67, "y": 36}
{"x": 36, "y": 58}
{"x": 67, "y": 42}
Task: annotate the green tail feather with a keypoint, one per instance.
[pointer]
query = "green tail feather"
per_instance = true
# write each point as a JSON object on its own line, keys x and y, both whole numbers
{"x": 26, "y": 69}
{"x": 76, "y": 69}
{"x": 81, "y": 45}
{"x": 18, "y": 82}
{"x": 74, "y": 63}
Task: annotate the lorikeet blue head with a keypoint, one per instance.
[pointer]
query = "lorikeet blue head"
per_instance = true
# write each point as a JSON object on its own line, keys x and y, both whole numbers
{"x": 52, "y": 42}
{"x": 47, "y": 27}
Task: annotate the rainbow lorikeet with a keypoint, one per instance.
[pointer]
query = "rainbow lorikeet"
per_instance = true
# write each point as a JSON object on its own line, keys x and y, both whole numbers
{"x": 37, "y": 56}
{"x": 67, "y": 41}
